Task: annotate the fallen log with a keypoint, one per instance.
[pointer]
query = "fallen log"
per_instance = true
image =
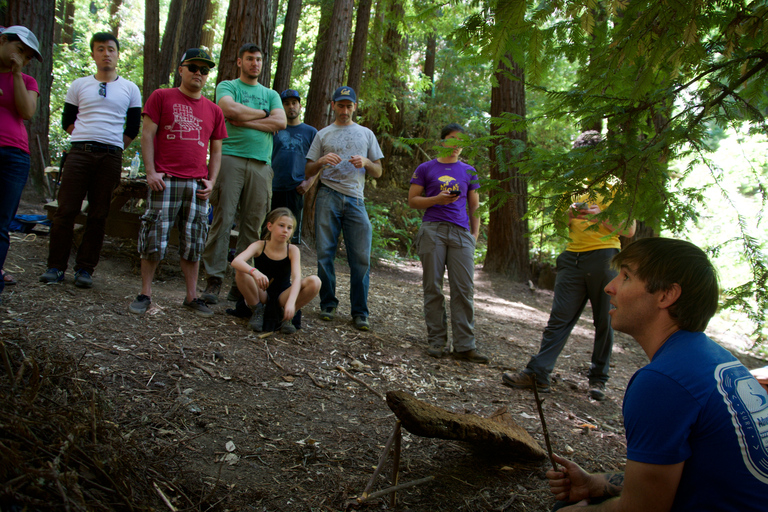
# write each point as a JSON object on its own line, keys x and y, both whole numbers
{"x": 498, "y": 433}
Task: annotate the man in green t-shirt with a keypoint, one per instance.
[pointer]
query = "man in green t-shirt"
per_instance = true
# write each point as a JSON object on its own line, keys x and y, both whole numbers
{"x": 253, "y": 114}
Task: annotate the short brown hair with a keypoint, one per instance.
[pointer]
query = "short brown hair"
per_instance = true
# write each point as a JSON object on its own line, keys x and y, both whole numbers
{"x": 662, "y": 262}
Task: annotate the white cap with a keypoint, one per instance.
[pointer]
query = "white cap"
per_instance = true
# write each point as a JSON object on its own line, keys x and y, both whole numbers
{"x": 27, "y": 37}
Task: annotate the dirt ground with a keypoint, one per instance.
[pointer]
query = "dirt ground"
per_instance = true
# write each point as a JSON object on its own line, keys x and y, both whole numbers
{"x": 271, "y": 423}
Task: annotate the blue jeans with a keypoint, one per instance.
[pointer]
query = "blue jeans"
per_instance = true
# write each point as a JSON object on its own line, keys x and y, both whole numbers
{"x": 337, "y": 213}
{"x": 14, "y": 171}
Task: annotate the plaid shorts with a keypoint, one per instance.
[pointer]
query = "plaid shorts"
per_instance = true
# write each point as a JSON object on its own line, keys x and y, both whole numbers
{"x": 177, "y": 204}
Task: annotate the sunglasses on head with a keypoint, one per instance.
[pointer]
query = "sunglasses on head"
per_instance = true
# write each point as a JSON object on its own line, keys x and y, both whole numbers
{"x": 194, "y": 68}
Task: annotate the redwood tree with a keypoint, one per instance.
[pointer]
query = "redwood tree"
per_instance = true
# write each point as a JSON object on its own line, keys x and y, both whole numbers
{"x": 248, "y": 21}
{"x": 287, "y": 45}
{"x": 152, "y": 75}
{"x": 38, "y": 16}
{"x": 359, "y": 50}
{"x": 507, "y": 242}
{"x": 190, "y": 32}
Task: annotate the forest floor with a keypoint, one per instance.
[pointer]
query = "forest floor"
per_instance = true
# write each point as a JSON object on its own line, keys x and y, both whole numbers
{"x": 203, "y": 414}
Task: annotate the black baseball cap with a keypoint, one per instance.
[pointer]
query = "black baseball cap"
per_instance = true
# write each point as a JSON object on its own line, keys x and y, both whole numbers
{"x": 197, "y": 54}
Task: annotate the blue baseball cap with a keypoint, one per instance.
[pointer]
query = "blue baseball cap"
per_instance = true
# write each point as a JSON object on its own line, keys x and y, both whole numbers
{"x": 345, "y": 92}
{"x": 290, "y": 93}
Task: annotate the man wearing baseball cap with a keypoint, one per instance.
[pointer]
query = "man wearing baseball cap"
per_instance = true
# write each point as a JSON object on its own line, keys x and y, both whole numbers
{"x": 342, "y": 154}
{"x": 102, "y": 113}
{"x": 18, "y": 102}
{"x": 179, "y": 126}
{"x": 244, "y": 187}
{"x": 289, "y": 152}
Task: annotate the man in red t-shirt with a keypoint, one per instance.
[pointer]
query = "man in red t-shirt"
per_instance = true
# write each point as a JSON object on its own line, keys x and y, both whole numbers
{"x": 178, "y": 125}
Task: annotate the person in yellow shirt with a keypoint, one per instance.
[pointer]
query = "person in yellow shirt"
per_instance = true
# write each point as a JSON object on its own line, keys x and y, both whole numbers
{"x": 583, "y": 271}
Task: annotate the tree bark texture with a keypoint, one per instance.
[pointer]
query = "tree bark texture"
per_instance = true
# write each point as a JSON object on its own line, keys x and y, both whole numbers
{"x": 167, "y": 59}
{"x": 152, "y": 77}
{"x": 327, "y": 75}
{"x": 114, "y": 18}
{"x": 248, "y": 21}
{"x": 508, "y": 251}
{"x": 392, "y": 56}
{"x": 359, "y": 45}
{"x": 190, "y": 32}
{"x": 68, "y": 30}
{"x": 209, "y": 26}
{"x": 287, "y": 46}
{"x": 37, "y": 16}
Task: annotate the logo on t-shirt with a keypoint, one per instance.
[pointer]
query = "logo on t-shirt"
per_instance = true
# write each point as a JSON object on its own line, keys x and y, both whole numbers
{"x": 449, "y": 183}
{"x": 185, "y": 125}
{"x": 747, "y": 402}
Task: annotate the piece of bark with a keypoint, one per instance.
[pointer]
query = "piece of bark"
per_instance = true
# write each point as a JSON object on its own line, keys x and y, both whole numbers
{"x": 498, "y": 433}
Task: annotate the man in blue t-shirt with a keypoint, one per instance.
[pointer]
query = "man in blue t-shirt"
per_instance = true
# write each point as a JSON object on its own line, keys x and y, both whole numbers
{"x": 696, "y": 420}
{"x": 289, "y": 151}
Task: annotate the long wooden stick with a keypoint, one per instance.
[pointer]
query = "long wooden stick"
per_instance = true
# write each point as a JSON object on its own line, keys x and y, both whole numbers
{"x": 396, "y": 465}
{"x": 369, "y": 388}
{"x": 543, "y": 422}
{"x": 388, "y": 490}
{"x": 380, "y": 465}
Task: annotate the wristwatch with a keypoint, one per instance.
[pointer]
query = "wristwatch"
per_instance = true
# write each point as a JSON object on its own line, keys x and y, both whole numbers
{"x": 266, "y": 112}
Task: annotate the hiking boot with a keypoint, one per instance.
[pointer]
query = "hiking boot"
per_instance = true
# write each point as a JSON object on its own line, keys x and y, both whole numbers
{"x": 234, "y": 294}
{"x": 83, "y": 279}
{"x": 327, "y": 314}
{"x": 140, "y": 305}
{"x": 597, "y": 390}
{"x": 212, "y": 290}
{"x": 52, "y": 275}
{"x": 523, "y": 380}
{"x": 198, "y": 306}
{"x": 471, "y": 356}
{"x": 287, "y": 327}
{"x": 362, "y": 324}
{"x": 436, "y": 350}
{"x": 257, "y": 318}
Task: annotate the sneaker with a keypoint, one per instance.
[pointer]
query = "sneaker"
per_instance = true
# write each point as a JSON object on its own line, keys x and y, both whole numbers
{"x": 212, "y": 290}
{"x": 597, "y": 390}
{"x": 83, "y": 279}
{"x": 287, "y": 327}
{"x": 140, "y": 305}
{"x": 52, "y": 275}
{"x": 257, "y": 318}
{"x": 471, "y": 356}
{"x": 198, "y": 306}
{"x": 327, "y": 314}
{"x": 361, "y": 323}
{"x": 436, "y": 351}
{"x": 523, "y": 380}
{"x": 234, "y": 294}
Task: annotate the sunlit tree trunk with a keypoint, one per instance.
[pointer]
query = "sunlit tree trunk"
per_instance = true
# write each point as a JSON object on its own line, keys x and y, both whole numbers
{"x": 39, "y": 17}
{"x": 508, "y": 251}
{"x": 287, "y": 45}
{"x": 209, "y": 26}
{"x": 114, "y": 18}
{"x": 248, "y": 21}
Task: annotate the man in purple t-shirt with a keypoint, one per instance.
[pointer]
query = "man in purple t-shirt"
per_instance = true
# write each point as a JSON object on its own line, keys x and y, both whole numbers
{"x": 447, "y": 189}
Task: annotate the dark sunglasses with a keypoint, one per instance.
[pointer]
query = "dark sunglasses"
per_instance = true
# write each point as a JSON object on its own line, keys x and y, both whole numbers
{"x": 194, "y": 68}
{"x": 103, "y": 89}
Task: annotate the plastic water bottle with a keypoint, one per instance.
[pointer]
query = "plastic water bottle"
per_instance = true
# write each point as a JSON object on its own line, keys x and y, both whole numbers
{"x": 135, "y": 163}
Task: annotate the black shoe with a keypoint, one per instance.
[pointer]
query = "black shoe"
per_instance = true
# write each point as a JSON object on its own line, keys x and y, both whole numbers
{"x": 241, "y": 310}
{"x": 83, "y": 279}
{"x": 523, "y": 380}
{"x": 471, "y": 356}
{"x": 198, "y": 306}
{"x": 140, "y": 305}
{"x": 597, "y": 390}
{"x": 212, "y": 290}
{"x": 52, "y": 275}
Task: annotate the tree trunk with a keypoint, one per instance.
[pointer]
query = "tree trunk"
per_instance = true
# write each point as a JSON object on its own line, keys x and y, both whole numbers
{"x": 61, "y": 8}
{"x": 167, "y": 58}
{"x": 429, "y": 63}
{"x": 392, "y": 126}
{"x": 38, "y": 17}
{"x": 327, "y": 75}
{"x": 359, "y": 49}
{"x": 248, "y": 21}
{"x": 152, "y": 76}
{"x": 507, "y": 243}
{"x": 114, "y": 18}
{"x": 287, "y": 45}
{"x": 190, "y": 33}
{"x": 209, "y": 26}
{"x": 68, "y": 30}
